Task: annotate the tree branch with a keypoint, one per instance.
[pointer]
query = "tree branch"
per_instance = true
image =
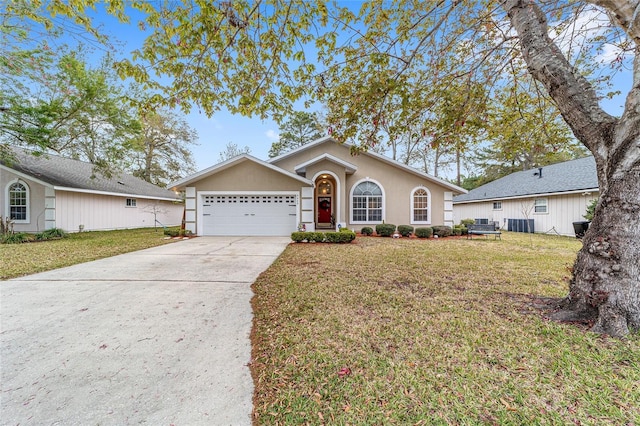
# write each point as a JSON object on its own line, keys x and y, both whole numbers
{"x": 574, "y": 95}
{"x": 625, "y": 14}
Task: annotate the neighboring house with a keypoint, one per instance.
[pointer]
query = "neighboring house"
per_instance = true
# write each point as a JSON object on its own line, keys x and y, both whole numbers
{"x": 47, "y": 191}
{"x": 552, "y": 197}
{"x": 317, "y": 186}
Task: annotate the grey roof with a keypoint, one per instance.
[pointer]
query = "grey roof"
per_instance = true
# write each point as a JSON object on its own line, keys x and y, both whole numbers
{"x": 449, "y": 185}
{"x": 78, "y": 175}
{"x": 574, "y": 175}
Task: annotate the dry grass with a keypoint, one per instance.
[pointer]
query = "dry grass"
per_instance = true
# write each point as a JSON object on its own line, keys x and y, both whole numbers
{"x": 387, "y": 331}
{"x": 29, "y": 258}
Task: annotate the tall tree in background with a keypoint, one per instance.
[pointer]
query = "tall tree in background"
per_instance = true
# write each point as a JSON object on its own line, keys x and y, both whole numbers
{"x": 37, "y": 73}
{"x": 233, "y": 150}
{"x": 251, "y": 58}
{"x": 301, "y": 128}
{"x": 161, "y": 154}
{"x": 77, "y": 111}
{"x": 52, "y": 101}
{"x": 524, "y": 131}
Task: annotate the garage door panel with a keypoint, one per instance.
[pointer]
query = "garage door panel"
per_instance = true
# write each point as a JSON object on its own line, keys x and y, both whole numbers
{"x": 252, "y": 214}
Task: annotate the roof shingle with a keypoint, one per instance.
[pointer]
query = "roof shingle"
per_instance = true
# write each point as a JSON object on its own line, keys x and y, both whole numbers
{"x": 74, "y": 174}
{"x": 574, "y": 175}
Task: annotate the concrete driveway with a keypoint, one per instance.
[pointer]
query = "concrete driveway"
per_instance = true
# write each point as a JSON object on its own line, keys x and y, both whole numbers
{"x": 158, "y": 337}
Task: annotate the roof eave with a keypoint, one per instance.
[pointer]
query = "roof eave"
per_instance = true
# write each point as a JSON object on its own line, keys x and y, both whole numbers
{"x": 301, "y": 148}
{"x": 433, "y": 179}
{"x": 349, "y": 168}
{"x": 410, "y": 169}
{"x": 539, "y": 194}
{"x": 217, "y": 168}
{"x": 116, "y": 194}
{"x": 24, "y": 175}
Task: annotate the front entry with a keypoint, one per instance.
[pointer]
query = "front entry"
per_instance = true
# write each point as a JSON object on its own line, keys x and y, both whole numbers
{"x": 324, "y": 210}
{"x": 324, "y": 202}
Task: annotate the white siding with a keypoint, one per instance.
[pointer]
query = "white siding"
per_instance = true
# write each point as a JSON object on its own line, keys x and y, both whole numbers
{"x": 102, "y": 212}
{"x": 562, "y": 211}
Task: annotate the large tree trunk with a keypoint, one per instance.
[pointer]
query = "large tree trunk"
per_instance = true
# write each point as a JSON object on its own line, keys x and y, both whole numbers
{"x": 606, "y": 279}
{"x": 605, "y": 286}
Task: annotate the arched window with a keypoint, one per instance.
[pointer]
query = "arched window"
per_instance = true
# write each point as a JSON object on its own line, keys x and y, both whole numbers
{"x": 420, "y": 206}
{"x": 366, "y": 203}
{"x": 18, "y": 202}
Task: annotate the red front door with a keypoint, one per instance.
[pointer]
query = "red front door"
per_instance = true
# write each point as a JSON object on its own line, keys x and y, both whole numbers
{"x": 324, "y": 209}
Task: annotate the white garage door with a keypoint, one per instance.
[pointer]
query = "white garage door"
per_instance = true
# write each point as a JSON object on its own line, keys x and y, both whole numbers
{"x": 256, "y": 214}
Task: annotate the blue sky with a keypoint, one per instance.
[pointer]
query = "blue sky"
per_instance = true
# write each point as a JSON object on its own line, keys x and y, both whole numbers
{"x": 217, "y": 131}
{"x": 214, "y": 133}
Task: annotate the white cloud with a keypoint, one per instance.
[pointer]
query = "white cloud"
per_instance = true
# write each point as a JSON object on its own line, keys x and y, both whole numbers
{"x": 588, "y": 28}
{"x": 611, "y": 53}
{"x": 272, "y": 135}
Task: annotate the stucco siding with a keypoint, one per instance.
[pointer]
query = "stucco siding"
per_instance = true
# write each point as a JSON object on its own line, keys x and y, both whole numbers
{"x": 36, "y": 202}
{"x": 562, "y": 211}
{"x": 397, "y": 184}
{"x": 247, "y": 176}
{"x": 328, "y": 147}
{"x": 337, "y": 172}
{"x": 101, "y": 212}
{"x": 244, "y": 177}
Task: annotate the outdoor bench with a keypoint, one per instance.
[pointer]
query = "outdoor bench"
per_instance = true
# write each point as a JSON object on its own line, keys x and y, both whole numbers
{"x": 484, "y": 229}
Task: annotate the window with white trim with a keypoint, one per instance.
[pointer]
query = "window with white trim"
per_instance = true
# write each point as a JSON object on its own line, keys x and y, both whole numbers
{"x": 420, "y": 206}
{"x": 131, "y": 202}
{"x": 18, "y": 202}
{"x": 366, "y": 203}
{"x": 497, "y": 205}
{"x": 540, "y": 205}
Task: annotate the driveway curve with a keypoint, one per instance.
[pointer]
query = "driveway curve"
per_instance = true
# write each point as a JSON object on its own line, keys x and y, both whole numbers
{"x": 159, "y": 336}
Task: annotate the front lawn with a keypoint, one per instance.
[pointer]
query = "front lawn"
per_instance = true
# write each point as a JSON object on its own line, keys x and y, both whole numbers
{"x": 422, "y": 332}
{"x": 29, "y": 258}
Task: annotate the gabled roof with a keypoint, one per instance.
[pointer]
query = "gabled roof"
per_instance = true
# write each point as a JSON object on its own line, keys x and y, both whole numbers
{"x": 570, "y": 176}
{"x": 448, "y": 185}
{"x": 349, "y": 168}
{"x": 230, "y": 163}
{"x": 78, "y": 176}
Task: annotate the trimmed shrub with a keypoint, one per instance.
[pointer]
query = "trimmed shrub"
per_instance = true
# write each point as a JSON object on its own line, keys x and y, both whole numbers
{"x": 172, "y": 232}
{"x": 16, "y": 238}
{"x": 51, "y": 234}
{"x": 315, "y": 237}
{"x": 385, "y": 229}
{"x": 299, "y": 236}
{"x": 466, "y": 222}
{"x": 345, "y": 230}
{"x": 332, "y": 237}
{"x": 424, "y": 232}
{"x": 341, "y": 237}
{"x": 405, "y": 230}
{"x": 366, "y": 230}
{"x": 457, "y": 231}
{"x": 442, "y": 231}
